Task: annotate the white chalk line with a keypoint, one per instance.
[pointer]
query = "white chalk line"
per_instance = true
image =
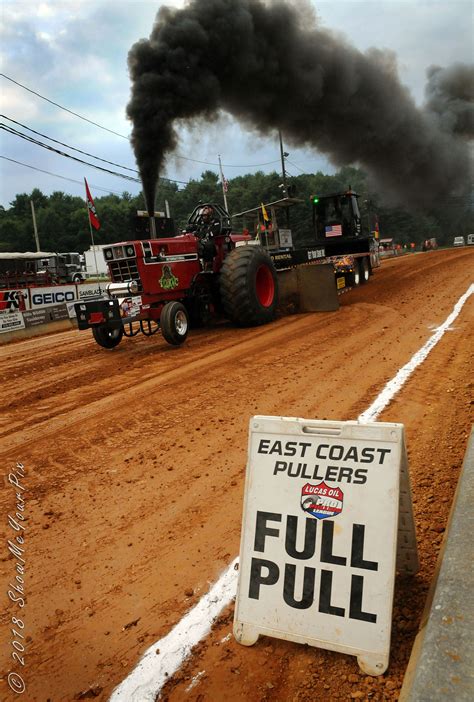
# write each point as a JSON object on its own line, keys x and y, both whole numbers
{"x": 393, "y": 386}
{"x": 154, "y": 669}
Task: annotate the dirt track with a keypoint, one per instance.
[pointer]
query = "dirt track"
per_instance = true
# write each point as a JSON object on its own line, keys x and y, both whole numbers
{"x": 135, "y": 467}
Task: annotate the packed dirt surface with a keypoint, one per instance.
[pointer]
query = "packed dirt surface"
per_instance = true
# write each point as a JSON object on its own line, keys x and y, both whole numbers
{"x": 134, "y": 474}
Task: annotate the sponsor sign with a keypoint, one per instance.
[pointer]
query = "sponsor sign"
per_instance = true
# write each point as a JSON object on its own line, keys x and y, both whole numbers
{"x": 14, "y": 300}
{"x": 90, "y": 290}
{"x": 286, "y": 238}
{"x": 327, "y": 519}
{"x": 314, "y": 255}
{"x": 130, "y": 306}
{"x": 48, "y": 297}
{"x": 321, "y": 501}
{"x": 10, "y": 320}
{"x": 33, "y": 318}
{"x": 71, "y": 310}
{"x": 58, "y": 313}
{"x": 44, "y": 315}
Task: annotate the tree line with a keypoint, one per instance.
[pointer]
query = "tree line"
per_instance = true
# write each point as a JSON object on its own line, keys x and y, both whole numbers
{"x": 63, "y": 225}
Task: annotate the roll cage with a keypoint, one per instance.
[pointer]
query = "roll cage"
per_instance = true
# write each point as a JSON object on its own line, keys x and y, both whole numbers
{"x": 218, "y": 222}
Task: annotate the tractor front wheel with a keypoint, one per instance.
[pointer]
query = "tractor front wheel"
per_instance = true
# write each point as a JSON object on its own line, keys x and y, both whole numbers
{"x": 174, "y": 322}
{"x": 106, "y": 337}
{"x": 249, "y": 286}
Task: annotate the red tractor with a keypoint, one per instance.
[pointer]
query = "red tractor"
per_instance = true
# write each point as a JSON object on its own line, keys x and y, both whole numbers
{"x": 181, "y": 280}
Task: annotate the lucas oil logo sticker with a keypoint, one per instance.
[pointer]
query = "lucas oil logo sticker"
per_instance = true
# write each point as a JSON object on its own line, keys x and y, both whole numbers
{"x": 168, "y": 281}
{"x": 321, "y": 501}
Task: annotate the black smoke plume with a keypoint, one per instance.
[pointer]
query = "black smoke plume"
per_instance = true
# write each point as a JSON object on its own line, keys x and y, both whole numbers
{"x": 450, "y": 96}
{"x": 272, "y": 67}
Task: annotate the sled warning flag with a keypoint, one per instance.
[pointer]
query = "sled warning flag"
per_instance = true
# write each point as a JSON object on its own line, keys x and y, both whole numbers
{"x": 265, "y": 213}
{"x": 93, "y": 217}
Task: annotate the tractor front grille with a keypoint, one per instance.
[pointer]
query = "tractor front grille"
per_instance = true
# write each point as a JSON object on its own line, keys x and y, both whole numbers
{"x": 124, "y": 270}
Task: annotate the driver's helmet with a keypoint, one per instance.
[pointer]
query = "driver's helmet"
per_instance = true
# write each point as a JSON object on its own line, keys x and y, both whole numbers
{"x": 207, "y": 213}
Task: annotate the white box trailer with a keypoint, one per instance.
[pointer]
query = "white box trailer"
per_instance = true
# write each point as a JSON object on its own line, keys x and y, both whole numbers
{"x": 93, "y": 255}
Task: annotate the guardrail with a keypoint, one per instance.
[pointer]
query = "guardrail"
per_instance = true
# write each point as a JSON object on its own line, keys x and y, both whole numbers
{"x": 441, "y": 666}
{"x": 27, "y": 312}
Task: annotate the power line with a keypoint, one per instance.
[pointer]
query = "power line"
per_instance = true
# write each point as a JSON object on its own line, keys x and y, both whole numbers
{"x": 290, "y": 173}
{"x": 15, "y": 132}
{"x": 45, "y": 136}
{"x": 63, "y": 108}
{"x": 228, "y": 165}
{"x": 56, "y": 175}
{"x": 184, "y": 158}
{"x": 294, "y": 164}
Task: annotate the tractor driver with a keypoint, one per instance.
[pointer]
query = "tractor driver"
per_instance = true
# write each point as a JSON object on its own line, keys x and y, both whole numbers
{"x": 208, "y": 221}
{"x": 208, "y": 226}
{"x": 206, "y": 214}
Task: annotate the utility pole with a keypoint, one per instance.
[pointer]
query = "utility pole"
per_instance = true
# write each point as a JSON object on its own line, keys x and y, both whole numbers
{"x": 34, "y": 225}
{"x": 283, "y": 171}
{"x": 223, "y": 183}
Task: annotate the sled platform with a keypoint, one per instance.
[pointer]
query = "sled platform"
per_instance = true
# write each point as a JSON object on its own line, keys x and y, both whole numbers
{"x": 310, "y": 288}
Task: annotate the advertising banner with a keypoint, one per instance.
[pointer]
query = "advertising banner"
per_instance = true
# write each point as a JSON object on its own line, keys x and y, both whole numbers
{"x": 34, "y": 318}
{"x": 321, "y": 535}
{"x": 90, "y": 290}
{"x": 14, "y": 300}
{"x": 48, "y": 297}
{"x": 130, "y": 306}
{"x": 10, "y": 320}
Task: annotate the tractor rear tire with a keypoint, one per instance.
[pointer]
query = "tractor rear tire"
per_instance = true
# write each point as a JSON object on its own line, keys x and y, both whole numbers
{"x": 106, "y": 337}
{"x": 249, "y": 286}
{"x": 174, "y": 322}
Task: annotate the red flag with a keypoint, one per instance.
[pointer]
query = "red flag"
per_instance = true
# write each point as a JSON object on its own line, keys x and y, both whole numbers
{"x": 93, "y": 217}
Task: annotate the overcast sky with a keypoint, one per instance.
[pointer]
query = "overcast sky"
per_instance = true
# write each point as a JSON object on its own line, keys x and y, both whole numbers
{"x": 74, "y": 52}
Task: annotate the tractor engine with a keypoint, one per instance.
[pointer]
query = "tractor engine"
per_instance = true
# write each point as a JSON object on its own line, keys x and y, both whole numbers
{"x": 160, "y": 267}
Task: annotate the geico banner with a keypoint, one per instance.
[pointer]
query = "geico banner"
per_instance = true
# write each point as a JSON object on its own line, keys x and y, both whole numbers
{"x": 321, "y": 535}
{"x": 14, "y": 300}
{"x": 47, "y": 297}
{"x": 11, "y": 320}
